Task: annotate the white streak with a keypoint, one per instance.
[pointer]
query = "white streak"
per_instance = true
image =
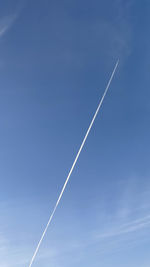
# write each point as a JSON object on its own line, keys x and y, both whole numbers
{"x": 73, "y": 165}
{"x": 6, "y": 23}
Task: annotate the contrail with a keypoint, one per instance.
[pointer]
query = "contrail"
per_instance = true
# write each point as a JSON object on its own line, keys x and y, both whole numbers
{"x": 74, "y": 163}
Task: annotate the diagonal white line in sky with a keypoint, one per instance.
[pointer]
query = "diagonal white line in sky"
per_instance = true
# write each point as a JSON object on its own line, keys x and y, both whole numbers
{"x": 73, "y": 165}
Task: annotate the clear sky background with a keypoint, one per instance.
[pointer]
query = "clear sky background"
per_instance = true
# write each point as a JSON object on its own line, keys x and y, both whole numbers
{"x": 55, "y": 60}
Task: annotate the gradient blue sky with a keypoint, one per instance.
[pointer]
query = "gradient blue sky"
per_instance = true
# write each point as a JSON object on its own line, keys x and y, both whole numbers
{"x": 55, "y": 60}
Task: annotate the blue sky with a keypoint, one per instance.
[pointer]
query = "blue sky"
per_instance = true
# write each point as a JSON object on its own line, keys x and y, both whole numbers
{"x": 55, "y": 60}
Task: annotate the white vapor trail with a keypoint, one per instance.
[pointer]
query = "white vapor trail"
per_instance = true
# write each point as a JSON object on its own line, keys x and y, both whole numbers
{"x": 73, "y": 165}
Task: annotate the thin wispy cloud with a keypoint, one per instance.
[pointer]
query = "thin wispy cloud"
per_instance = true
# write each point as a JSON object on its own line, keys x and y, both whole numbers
{"x": 6, "y": 23}
{"x": 130, "y": 227}
{"x": 17, "y": 255}
{"x": 3, "y": 243}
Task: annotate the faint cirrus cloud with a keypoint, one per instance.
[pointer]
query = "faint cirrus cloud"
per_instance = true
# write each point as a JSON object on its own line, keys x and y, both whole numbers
{"x": 6, "y": 23}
